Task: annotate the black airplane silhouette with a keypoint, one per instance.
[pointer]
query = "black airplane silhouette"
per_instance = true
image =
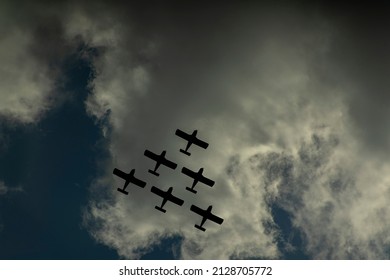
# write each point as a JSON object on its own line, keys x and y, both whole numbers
{"x": 192, "y": 139}
{"x": 167, "y": 196}
{"x": 129, "y": 178}
{"x": 206, "y": 214}
{"x": 160, "y": 159}
{"x": 198, "y": 177}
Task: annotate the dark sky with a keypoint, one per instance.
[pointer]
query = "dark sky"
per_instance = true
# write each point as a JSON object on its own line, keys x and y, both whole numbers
{"x": 52, "y": 160}
{"x": 291, "y": 97}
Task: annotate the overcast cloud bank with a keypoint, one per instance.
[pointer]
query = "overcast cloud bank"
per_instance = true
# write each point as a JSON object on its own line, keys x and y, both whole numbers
{"x": 282, "y": 95}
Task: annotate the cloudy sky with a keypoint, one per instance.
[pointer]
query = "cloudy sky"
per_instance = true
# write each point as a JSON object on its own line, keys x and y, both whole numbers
{"x": 293, "y": 99}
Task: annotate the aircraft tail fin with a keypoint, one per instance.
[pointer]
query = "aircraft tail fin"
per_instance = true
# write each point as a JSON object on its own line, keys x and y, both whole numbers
{"x": 122, "y": 191}
{"x": 160, "y": 209}
{"x": 200, "y": 228}
{"x": 185, "y": 152}
{"x": 154, "y": 172}
{"x": 191, "y": 190}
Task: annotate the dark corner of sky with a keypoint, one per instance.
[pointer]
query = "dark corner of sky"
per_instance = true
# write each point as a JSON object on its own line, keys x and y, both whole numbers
{"x": 54, "y": 163}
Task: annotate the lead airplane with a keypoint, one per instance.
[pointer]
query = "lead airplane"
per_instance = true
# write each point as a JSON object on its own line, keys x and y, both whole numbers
{"x": 167, "y": 196}
{"x": 129, "y": 178}
{"x": 160, "y": 159}
{"x": 206, "y": 215}
{"x": 192, "y": 139}
{"x": 198, "y": 177}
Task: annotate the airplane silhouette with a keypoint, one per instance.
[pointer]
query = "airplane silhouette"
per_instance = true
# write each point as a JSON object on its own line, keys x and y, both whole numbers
{"x": 167, "y": 196}
{"x": 192, "y": 139}
{"x": 198, "y": 177}
{"x": 206, "y": 214}
{"x": 129, "y": 178}
{"x": 160, "y": 159}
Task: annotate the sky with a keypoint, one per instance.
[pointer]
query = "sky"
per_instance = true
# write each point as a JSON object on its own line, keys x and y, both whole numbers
{"x": 291, "y": 96}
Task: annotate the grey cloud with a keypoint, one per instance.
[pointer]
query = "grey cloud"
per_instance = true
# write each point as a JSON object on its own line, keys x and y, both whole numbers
{"x": 245, "y": 91}
{"x": 29, "y": 60}
{"x": 261, "y": 84}
{"x": 290, "y": 97}
{"x": 325, "y": 193}
{"x": 359, "y": 58}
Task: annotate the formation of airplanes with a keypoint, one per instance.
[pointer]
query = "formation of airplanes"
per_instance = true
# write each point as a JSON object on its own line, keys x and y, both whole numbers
{"x": 167, "y": 195}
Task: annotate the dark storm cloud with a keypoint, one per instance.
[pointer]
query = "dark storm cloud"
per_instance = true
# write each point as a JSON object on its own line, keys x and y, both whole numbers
{"x": 48, "y": 43}
{"x": 32, "y": 49}
{"x": 198, "y": 74}
{"x": 261, "y": 81}
{"x": 359, "y": 57}
{"x": 204, "y": 69}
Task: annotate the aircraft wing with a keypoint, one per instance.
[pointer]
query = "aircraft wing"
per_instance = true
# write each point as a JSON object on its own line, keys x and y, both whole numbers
{"x": 120, "y": 173}
{"x": 182, "y": 134}
{"x": 207, "y": 181}
{"x": 200, "y": 143}
{"x": 168, "y": 163}
{"x": 151, "y": 155}
{"x": 138, "y": 182}
{"x": 214, "y": 218}
{"x": 157, "y": 191}
{"x": 198, "y": 210}
{"x": 188, "y": 172}
{"x": 175, "y": 200}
